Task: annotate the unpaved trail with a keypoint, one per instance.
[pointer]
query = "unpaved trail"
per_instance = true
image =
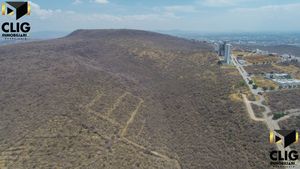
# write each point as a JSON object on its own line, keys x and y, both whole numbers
{"x": 294, "y": 112}
{"x": 117, "y": 103}
{"x": 124, "y": 130}
{"x": 250, "y": 110}
{"x": 132, "y": 116}
{"x": 154, "y": 153}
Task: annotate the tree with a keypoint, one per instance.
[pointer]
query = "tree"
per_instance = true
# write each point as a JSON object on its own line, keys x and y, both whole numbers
{"x": 241, "y": 83}
{"x": 278, "y": 115}
{"x": 219, "y": 62}
{"x": 289, "y": 77}
{"x": 264, "y": 88}
{"x": 250, "y": 81}
{"x": 254, "y": 86}
{"x": 272, "y": 88}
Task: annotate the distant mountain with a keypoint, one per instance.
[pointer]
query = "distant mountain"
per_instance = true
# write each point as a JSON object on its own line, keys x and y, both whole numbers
{"x": 44, "y": 35}
{"x": 123, "y": 99}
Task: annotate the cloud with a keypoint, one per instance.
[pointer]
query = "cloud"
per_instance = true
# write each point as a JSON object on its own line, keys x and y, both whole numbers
{"x": 180, "y": 8}
{"x": 101, "y": 1}
{"x": 270, "y": 8}
{"x": 51, "y": 19}
{"x": 266, "y": 18}
{"x": 218, "y": 3}
{"x": 49, "y": 14}
{"x": 42, "y": 13}
{"x": 189, "y": 17}
{"x": 75, "y": 2}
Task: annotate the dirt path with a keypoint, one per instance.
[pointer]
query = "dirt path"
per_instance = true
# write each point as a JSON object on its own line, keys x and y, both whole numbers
{"x": 250, "y": 110}
{"x": 294, "y": 112}
{"x": 154, "y": 153}
{"x": 117, "y": 103}
{"x": 132, "y": 116}
{"x": 125, "y": 128}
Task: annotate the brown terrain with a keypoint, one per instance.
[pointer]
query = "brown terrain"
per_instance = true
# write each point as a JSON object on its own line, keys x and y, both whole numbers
{"x": 261, "y": 69}
{"x": 123, "y": 99}
{"x": 280, "y": 49}
{"x": 259, "y": 59}
{"x": 281, "y": 101}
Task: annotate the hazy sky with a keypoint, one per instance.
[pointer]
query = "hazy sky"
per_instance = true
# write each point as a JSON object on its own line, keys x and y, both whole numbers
{"x": 193, "y": 15}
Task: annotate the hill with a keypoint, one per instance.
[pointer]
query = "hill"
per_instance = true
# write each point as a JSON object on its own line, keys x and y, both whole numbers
{"x": 123, "y": 99}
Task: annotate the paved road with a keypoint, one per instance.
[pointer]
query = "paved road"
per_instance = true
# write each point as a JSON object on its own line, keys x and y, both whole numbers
{"x": 245, "y": 76}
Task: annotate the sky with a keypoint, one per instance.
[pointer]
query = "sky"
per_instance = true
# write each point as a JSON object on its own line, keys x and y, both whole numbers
{"x": 185, "y": 15}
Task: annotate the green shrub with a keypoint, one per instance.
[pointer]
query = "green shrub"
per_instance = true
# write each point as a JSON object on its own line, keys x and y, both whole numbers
{"x": 278, "y": 115}
{"x": 241, "y": 83}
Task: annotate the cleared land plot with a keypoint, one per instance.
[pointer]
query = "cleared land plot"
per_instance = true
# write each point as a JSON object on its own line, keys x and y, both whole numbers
{"x": 290, "y": 69}
{"x": 260, "y": 69}
{"x": 263, "y": 82}
{"x": 242, "y": 54}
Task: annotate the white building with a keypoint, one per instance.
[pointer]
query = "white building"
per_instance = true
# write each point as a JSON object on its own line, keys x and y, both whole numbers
{"x": 278, "y": 76}
{"x": 228, "y": 53}
{"x": 284, "y": 80}
{"x": 242, "y": 62}
{"x": 289, "y": 58}
{"x": 261, "y": 52}
{"x": 287, "y": 83}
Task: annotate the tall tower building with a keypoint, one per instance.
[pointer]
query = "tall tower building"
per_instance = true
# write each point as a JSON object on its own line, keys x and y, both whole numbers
{"x": 222, "y": 48}
{"x": 228, "y": 53}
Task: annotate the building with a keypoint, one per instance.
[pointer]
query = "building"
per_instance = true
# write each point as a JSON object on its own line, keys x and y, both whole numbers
{"x": 241, "y": 61}
{"x": 228, "y": 54}
{"x": 221, "y": 50}
{"x": 216, "y": 47}
{"x": 278, "y": 76}
{"x": 224, "y": 49}
{"x": 287, "y": 83}
{"x": 289, "y": 58}
{"x": 261, "y": 52}
{"x": 284, "y": 80}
